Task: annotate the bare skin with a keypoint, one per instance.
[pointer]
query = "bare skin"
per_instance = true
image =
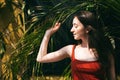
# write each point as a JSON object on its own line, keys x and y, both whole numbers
{"x": 82, "y": 51}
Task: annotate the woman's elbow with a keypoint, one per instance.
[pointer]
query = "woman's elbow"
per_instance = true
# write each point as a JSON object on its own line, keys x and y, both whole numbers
{"x": 38, "y": 59}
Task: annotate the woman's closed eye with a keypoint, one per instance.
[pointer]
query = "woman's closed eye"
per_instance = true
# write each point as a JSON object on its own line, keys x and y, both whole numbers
{"x": 75, "y": 25}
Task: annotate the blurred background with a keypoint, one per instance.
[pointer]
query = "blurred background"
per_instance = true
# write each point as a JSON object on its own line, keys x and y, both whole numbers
{"x": 22, "y": 26}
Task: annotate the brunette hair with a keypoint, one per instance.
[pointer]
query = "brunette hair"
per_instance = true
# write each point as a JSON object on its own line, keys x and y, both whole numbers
{"x": 96, "y": 39}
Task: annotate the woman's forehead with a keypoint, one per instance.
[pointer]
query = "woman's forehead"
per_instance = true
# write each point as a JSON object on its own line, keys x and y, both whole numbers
{"x": 76, "y": 20}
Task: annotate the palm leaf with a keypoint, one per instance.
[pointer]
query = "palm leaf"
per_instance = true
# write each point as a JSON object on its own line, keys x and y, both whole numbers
{"x": 40, "y": 17}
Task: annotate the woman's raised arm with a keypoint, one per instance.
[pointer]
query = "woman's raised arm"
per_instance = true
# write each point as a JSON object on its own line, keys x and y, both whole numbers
{"x": 53, "y": 56}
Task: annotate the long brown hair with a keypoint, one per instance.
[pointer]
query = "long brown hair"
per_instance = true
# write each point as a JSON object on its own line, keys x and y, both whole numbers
{"x": 96, "y": 38}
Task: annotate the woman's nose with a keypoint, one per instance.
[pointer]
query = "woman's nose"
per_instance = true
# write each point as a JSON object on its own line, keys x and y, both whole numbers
{"x": 71, "y": 29}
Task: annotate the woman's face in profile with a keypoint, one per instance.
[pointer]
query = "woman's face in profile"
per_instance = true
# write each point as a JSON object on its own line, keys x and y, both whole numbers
{"x": 78, "y": 29}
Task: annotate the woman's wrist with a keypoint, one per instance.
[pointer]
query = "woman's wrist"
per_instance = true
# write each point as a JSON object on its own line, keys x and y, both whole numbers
{"x": 47, "y": 34}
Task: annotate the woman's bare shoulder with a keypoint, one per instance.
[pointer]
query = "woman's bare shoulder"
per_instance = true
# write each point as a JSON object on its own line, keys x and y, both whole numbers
{"x": 69, "y": 48}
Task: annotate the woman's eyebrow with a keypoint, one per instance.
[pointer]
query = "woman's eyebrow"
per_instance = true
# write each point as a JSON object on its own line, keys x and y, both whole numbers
{"x": 75, "y": 24}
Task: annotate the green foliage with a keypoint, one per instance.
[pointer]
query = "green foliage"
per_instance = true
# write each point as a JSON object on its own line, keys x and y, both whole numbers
{"x": 22, "y": 60}
{"x": 2, "y": 46}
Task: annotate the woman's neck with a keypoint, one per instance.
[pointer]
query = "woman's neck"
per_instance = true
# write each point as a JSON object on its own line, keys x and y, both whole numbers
{"x": 83, "y": 43}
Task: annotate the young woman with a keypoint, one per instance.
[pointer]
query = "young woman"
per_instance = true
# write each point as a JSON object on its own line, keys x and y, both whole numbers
{"x": 91, "y": 58}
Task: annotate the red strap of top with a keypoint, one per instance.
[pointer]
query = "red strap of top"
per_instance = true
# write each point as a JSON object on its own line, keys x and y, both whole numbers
{"x": 73, "y": 52}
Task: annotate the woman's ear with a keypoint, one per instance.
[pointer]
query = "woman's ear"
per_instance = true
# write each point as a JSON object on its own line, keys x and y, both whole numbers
{"x": 88, "y": 28}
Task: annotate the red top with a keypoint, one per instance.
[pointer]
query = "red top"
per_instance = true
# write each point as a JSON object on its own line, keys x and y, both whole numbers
{"x": 86, "y": 70}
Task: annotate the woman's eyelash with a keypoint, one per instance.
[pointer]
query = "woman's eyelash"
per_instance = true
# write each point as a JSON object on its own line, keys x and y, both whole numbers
{"x": 76, "y": 26}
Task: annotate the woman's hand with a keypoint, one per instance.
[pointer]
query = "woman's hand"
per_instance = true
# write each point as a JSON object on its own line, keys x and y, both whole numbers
{"x": 53, "y": 29}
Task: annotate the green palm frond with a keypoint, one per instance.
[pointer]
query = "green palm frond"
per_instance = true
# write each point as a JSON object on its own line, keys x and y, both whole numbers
{"x": 43, "y": 16}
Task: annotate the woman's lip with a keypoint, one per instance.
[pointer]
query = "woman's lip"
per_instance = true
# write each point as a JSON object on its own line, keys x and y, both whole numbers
{"x": 74, "y": 34}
